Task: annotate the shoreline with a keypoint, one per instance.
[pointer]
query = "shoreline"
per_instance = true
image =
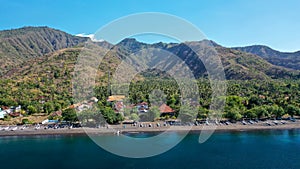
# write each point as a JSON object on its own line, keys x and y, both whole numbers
{"x": 130, "y": 129}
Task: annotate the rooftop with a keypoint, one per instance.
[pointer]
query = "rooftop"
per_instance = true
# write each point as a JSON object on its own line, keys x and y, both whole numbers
{"x": 115, "y": 98}
{"x": 165, "y": 109}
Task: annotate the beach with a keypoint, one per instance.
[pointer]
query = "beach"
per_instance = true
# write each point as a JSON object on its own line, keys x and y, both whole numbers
{"x": 127, "y": 128}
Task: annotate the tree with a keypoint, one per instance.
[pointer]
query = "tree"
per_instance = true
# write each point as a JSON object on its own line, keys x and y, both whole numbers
{"x": 48, "y": 107}
{"x": 260, "y": 112}
{"x": 8, "y": 102}
{"x": 275, "y": 111}
{"x": 187, "y": 114}
{"x": 127, "y": 111}
{"x": 202, "y": 113}
{"x": 251, "y": 114}
{"x": 233, "y": 114}
{"x": 57, "y": 107}
{"x": 234, "y": 108}
{"x": 292, "y": 110}
{"x": 32, "y": 109}
{"x": 172, "y": 101}
{"x": 69, "y": 115}
{"x": 153, "y": 113}
{"x": 99, "y": 119}
{"x": 119, "y": 118}
{"x": 110, "y": 115}
{"x": 25, "y": 121}
{"x": 85, "y": 115}
{"x": 134, "y": 117}
{"x": 254, "y": 101}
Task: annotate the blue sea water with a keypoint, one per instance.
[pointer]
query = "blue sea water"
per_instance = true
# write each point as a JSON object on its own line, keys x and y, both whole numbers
{"x": 255, "y": 149}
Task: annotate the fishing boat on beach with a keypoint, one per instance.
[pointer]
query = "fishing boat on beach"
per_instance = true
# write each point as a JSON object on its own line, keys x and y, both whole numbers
{"x": 37, "y": 127}
{"x": 14, "y": 129}
{"x": 5, "y": 128}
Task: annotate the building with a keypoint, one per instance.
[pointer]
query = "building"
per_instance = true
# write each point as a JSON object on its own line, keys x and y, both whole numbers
{"x": 94, "y": 99}
{"x": 166, "y": 110}
{"x": 56, "y": 114}
{"x": 84, "y": 106}
{"x": 113, "y": 98}
{"x": 11, "y": 111}
{"x": 142, "y": 107}
{"x": 119, "y": 107}
{"x": 117, "y": 101}
{"x": 2, "y": 114}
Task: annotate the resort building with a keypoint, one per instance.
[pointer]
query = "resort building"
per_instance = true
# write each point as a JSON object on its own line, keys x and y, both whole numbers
{"x": 142, "y": 107}
{"x": 117, "y": 101}
{"x": 2, "y": 114}
{"x": 166, "y": 110}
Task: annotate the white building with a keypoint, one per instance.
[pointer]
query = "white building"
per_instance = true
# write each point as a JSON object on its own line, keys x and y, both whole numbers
{"x": 2, "y": 114}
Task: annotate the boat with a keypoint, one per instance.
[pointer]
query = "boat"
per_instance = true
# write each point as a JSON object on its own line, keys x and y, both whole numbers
{"x": 216, "y": 122}
{"x": 37, "y": 127}
{"x": 56, "y": 126}
{"x": 206, "y": 122}
{"x": 6, "y": 128}
{"x": 14, "y": 129}
{"x": 244, "y": 123}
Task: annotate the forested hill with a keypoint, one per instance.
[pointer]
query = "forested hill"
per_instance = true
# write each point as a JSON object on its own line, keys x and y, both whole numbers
{"x": 18, "y": 45}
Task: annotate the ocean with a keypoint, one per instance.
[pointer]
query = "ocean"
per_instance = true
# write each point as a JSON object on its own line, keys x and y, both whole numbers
{"x": 243, "y": 149}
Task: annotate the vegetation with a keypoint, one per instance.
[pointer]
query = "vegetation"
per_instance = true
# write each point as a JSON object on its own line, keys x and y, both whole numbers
{"x": 41, "y": 79}
{"x": 69, "y": 115}
{"x": 245, "y": 99}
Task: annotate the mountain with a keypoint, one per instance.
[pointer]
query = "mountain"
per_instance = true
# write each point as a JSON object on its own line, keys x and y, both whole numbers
{"x": 237, "y": 65}
{"x": 39, "y": 51}
{"x": 18, "y": 45}
{"x": 285, "y": 59}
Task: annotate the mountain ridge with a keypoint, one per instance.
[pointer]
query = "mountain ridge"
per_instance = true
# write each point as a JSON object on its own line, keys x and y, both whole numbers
{"x": 285, "y": 59}
{"x": 237, "y": 63}
{"x": 17, "y": 45}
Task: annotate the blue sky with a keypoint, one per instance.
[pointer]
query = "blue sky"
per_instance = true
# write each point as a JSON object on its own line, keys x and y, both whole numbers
{"x": 275, "y": 23}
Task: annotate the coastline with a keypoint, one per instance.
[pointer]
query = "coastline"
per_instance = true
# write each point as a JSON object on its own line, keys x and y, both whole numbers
{"x": 113, "y": 129}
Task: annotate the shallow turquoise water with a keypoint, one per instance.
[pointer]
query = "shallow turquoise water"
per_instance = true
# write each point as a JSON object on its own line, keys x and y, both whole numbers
{"x": 259, "y": 149}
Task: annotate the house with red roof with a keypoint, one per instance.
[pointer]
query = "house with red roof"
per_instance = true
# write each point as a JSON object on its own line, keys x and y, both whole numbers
{"x": 166, "y": 110}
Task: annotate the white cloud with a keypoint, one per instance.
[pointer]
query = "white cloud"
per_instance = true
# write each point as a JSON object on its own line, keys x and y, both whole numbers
{"x": 91, "y": 36}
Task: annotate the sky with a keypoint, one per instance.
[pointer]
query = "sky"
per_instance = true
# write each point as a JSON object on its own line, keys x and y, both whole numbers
{"x": 275, "y": 23}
